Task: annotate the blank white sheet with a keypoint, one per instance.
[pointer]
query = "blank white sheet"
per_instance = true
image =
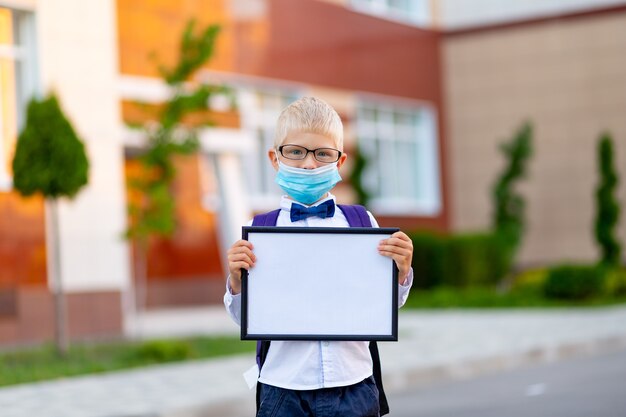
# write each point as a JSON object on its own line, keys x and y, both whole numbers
{"x": 310, "y": 285}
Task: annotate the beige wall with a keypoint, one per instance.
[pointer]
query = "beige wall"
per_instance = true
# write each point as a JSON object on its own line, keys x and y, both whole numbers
{"x": 457, "y": 14}
{"x": 569, "y": 78}
{"x": 78, "y": 59}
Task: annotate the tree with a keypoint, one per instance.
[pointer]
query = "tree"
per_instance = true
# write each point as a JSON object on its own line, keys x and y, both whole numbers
{"x": 152, "y": 210}
{"x": 508, "y": 215}
{"x": 50, "y": 159}
{"x": 356, "y": 176}
{"x": 607, "y": 206}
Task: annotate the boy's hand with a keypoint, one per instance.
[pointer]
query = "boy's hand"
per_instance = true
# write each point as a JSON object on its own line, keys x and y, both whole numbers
{"x": 398, "y": 247}
{"x": 239, "y": 256}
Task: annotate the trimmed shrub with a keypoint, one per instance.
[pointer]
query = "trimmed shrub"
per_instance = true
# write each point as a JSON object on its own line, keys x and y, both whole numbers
{"x": 164, "y": 351}
{"x": 509, "y": 205}
{"x": 429, "y": 259}
{"x": 531, "y": 281}
{"x": 607, "y": 204}
{"x": 49, "y": 158}
{"x": 615, "y": 282}
{"x": 458, "y": 261}
{"x": 574, "y": 282}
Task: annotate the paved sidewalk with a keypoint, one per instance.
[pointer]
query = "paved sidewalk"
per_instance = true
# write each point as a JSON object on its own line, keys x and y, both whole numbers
{"x": 434, "y": 345}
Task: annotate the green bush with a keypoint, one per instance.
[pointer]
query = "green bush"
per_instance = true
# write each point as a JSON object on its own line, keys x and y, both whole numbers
{"x": 164, "y": 351}
{"x": 475, "y": 297}
{"x": 530, "y": 281}
{"x": 574, "y": 282}
{"x": 615, "y": 282}
{"x": 429, "y": 259}
{"x": 458, "y": 261}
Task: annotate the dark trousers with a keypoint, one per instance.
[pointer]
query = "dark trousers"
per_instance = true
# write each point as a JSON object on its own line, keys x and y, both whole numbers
{"x": 358, "y": 400}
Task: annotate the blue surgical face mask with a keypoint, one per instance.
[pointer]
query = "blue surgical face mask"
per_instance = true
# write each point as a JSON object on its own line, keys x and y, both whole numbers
{"x": 307, "y": 185}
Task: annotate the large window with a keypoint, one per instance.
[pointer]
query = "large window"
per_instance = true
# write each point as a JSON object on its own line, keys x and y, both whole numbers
{"x": 22, "y": 236}
{"x": 17, "y": 81}
{"x": 400, "y": 145}
{"x": 260, "y": 109}
{"x": 416, "y": 12}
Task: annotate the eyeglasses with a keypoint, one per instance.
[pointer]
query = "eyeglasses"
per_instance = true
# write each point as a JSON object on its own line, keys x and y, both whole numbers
{"x": 298, "y": 153}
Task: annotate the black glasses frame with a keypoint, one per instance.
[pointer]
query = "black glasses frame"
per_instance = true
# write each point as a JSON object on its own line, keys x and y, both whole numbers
{"x": 313, "y": 151}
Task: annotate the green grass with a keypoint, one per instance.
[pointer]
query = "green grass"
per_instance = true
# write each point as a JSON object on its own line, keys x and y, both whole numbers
{"x": 483, "y": 297}
{"x": 42, "y": 363}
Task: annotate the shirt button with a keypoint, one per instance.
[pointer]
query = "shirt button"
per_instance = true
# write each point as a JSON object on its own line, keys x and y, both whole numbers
{"x": 326, "y": 343}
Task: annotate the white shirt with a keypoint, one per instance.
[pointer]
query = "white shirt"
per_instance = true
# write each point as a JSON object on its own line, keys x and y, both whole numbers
{"x": 305, "y": 365}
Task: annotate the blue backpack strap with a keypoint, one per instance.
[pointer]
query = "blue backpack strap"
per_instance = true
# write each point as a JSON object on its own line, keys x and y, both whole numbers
{"x": 356, "y": 215}
{"x": 266, "y": 219}
{"x": 378, "y": 378}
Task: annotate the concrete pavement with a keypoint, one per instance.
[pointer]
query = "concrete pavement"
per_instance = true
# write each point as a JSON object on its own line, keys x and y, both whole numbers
{"x": 434, "y": 345}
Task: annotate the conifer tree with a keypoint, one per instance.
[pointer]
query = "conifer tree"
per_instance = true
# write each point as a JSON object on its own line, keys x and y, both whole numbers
{"x": 607, "y": 206}
{"x": 509, "y": 205}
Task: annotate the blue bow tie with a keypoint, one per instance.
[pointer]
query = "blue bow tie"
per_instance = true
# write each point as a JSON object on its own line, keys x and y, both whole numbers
{"x": 299, "y": 212}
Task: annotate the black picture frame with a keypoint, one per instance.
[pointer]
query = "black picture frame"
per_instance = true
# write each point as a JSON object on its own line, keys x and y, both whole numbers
{"x": 270, "y": 240}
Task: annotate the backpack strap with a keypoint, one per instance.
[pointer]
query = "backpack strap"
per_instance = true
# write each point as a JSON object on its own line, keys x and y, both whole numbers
{"x": 262, "y": 347}
{"x": 378, "y": 378}
{"x": 356, "y": 215}
{"x": 266, "y": 219}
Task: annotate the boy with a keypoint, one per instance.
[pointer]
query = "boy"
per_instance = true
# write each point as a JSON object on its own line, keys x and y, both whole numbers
{"x": 314, "y": 378}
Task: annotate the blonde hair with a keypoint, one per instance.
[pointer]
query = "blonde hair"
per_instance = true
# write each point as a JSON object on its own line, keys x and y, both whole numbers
{"x": 310, "y": 115}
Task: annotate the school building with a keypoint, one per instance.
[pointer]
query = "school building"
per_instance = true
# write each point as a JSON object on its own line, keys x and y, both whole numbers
{"x": 426, "y": 88}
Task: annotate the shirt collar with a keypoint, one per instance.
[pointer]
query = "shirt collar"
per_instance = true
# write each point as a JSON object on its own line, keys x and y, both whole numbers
{"x": 285, "y": 202}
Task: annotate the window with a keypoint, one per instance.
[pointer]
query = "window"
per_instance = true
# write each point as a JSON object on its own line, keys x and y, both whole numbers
{"x": 417, "y": 12}
{"x": 260, "y": 109}
{"x": 17, "y": 80}
{"x": 399, "y": 143}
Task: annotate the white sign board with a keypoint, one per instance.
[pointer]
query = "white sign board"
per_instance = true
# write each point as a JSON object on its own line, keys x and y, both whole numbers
{"x": 319, "y": 284}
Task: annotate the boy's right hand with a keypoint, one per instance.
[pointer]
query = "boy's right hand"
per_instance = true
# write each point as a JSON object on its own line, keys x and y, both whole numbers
{"x": 239, "y": 256}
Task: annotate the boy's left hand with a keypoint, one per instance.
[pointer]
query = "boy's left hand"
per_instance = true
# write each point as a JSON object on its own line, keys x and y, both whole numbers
{"x": 398, "y": 247}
